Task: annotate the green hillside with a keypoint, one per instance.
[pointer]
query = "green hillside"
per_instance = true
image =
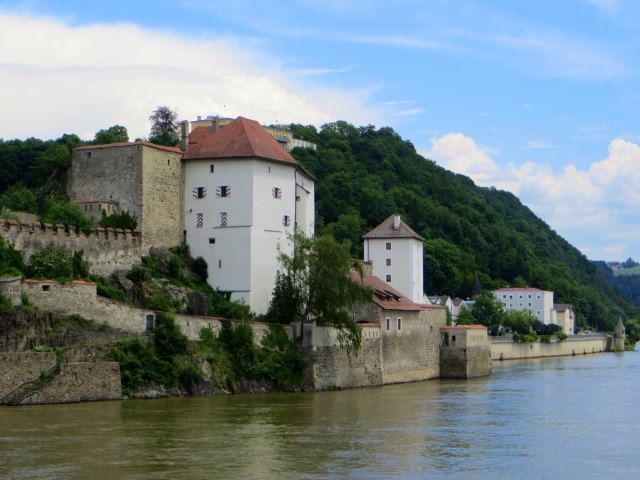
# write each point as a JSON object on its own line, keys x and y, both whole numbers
{"x": 365, "y": 174}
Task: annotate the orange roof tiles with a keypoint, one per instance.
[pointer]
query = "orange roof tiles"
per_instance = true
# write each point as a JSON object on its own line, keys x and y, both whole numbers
{"x": 242, "y": 138}
{"x": 385, "y": 296}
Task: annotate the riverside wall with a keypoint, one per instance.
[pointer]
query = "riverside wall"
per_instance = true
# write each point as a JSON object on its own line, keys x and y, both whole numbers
{"x": 17, "y": 368}
{"x": 106, "y": 249}
{"x": 573, "y": 345}
{"x": 80, "y": 382}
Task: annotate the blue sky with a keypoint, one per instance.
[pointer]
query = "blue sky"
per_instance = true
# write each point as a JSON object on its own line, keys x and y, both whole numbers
{"x": 539, "y": 98}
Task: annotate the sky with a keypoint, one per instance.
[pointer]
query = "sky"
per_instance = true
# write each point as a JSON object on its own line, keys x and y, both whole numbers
{"x": 540, "y": 98}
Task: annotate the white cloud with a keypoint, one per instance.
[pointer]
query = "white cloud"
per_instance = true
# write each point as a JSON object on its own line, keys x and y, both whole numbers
{"x": 606, "y": 5}
{"x": 595, "y": 208}
{"x": 409, "y": 112}
{"x": 58, "y": 78}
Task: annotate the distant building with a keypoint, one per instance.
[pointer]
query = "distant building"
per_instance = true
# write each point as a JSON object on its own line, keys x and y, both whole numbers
{"x": 565, "y": 317}
{"x": 539, "y": 302}
{"x": 283, "y": 137}
{"x": 396, "y": 252}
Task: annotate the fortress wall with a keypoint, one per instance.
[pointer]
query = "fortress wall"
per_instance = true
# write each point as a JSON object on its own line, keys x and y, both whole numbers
{"x": 413, "y": 353}
{"x": 329, "y": 365}
{"x": 574, "y": 345}
{"x": 106, "y": 249}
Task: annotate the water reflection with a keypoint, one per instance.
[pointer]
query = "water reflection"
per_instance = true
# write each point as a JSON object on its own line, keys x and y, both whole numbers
{"x": 555, "y": 418}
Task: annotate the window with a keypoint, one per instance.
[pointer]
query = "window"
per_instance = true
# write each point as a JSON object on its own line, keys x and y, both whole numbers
{"x": 46, "y": 288}
{"x": 520, "y": 303}
{"x": 388, "y": 262}
{"x": 212, "y": 240}
{"x": 387, "y": 278}
{"x": 388, "y": 246}
{"x": 223, "y": 219}
{"x": 529, "y": 295}
{"x": 529, "y": 304}
{"x": 223, "y": 191}
{"x": 388, "y": 324}
{"x": 538, "y": 313}
{"x": 199, "y": 192}
{"x": 520, "y": 295}
{"x": 219, "y": 263}
{"x": 211, "y": 169}
{"x": 399, "y": 323}
{"x": 286, "y": 221}
{"x": 150, "y": 320}
{"x": 504, "y": 295}
{"x": 276, "y": 193}
{"x": 510, "y": 296}
{"x": 199, "y": 220}
{"x": 538, "y": 295}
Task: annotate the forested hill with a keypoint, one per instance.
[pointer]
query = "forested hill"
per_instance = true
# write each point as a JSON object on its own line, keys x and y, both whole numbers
{"x": 365, "y": 174}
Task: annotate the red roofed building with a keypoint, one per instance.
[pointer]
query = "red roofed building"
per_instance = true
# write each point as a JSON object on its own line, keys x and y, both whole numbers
{"x": 409, "y": 332}
{"x": 244, "y": 195}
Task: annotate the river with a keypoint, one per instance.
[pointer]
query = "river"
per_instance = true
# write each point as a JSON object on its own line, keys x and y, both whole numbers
{"x": 574, "y": 417}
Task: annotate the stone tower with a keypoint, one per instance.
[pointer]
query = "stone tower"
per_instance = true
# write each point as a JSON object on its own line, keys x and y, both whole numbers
{"x": 396, "y": 252}
{"x": 618, "y": 337}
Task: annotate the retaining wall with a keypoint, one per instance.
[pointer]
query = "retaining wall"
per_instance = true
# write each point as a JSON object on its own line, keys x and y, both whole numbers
{"x": 17, "y": 368}
{"x": 80, "y": 382}
{"x": 573, "y": 345}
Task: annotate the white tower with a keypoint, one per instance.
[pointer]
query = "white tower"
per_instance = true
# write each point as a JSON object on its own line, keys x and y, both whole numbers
{"x": 244, "y": 194}
{"x": 396, "y": 252}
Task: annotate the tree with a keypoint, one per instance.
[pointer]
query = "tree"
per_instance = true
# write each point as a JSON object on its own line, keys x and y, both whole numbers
{"x": 489, "y": 311}
{"x": 164, "y": 128}
{"x": 465, "y": 317}
{"x": 114, "y": 134}
{"x": 318, "y": 277}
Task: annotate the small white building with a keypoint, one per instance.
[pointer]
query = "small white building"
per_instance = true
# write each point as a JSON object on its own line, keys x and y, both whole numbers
{"x": 244, "y": 195}
{"x": 539, "y": 302}
{"x": 396, "y": 252}
{"x": 565, "y": 317}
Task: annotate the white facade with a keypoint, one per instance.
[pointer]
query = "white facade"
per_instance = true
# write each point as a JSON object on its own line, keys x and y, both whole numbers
{"x": 397, "y": 259}
{"x": 239, "y": 214}
{"x": 539, "y": 302}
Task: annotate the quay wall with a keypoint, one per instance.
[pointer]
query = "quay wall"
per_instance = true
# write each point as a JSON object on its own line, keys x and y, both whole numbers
{"x": 573, "y": 345}
{"x": 17, "y": 368}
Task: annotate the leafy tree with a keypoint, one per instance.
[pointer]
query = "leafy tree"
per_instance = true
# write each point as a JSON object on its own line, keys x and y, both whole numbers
{"x": 489, "y": 311}
{"x": 123, "y": 220}
{"x": 50, "y": 263}
{"x": 167, "y": 337}
{"x": 319, "y": 272}
{"x": 164, "y": 128}
{"x": 65, "y": 213}
{"x": 11, "y": 261}
{"x": 114, "y": 134}
{"x": 520, "y": 321}
{"x": 465, "y": 317}
{"x": 19, "y": 198}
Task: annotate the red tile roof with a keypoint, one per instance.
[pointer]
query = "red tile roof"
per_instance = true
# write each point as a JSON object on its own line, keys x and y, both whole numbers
{"x": 130, "y": 144}
{"x": 385, "y": 296}
{"x": 242, "y": 138}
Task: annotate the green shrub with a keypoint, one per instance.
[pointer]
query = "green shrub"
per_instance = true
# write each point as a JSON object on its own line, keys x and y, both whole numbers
{"x": 51, "y": 263}
{"x": 237, "y": 341}
{"x": 561, "y": 336}
{"x": 167, "y": 337}
{"x": 104, "y": 289}
{"x": 278, "y": 360}
{"x": 124, "y": 220}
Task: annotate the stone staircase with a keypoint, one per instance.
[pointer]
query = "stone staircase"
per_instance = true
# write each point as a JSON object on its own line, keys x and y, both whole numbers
{"x": 26, "y": 389}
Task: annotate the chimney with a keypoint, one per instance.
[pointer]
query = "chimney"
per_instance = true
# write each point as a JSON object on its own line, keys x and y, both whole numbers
{"x": 396, "y": 222}
{"x": 215, "y": 123}
{"x": 184, "y": 139}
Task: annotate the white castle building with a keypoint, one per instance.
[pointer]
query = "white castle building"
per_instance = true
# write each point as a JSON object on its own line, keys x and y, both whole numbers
{"x": 244, "y": 195}
{"x": 396, "y": 252}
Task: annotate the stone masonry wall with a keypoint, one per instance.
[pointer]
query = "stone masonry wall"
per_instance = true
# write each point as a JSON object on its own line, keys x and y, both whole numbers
{"x": 162, "y": 221}
{"x": 81, "y": 382}
{"x": 467, "y": 362}
{"x": 81, "y": 298}
{"x": 413, "y": 353}
{"x": 575, "y": 345}
{"x": 106, "y": 250}
{"x": 331, "y": 367}
{"x": 16, "y": 368}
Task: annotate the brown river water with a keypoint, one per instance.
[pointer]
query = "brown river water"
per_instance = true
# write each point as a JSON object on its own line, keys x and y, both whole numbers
{"x": 575, "y": 417}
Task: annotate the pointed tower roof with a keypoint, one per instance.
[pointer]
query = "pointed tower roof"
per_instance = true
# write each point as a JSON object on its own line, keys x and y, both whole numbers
{"x": 242, "y": 138}
{"x": 393, "y": 227}
{"x": 476, "y": 288}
